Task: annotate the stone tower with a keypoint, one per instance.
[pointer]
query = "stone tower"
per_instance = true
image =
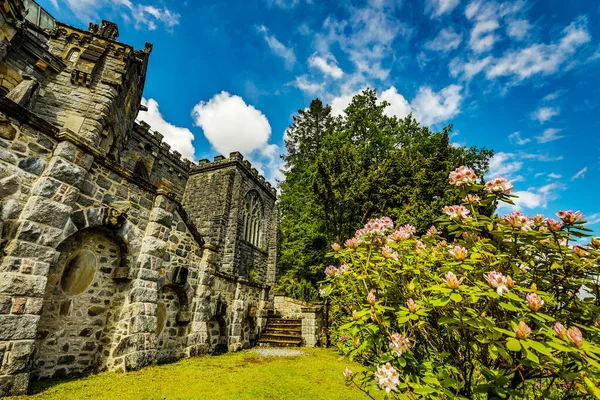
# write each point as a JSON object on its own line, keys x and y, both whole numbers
{"x": 115, "y": 253}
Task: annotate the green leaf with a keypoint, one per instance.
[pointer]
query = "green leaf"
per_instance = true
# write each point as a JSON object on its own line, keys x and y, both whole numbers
{"x": 513, "y": 344}
{"x": 509, "y": 307}
{"x": 456, "y": 297}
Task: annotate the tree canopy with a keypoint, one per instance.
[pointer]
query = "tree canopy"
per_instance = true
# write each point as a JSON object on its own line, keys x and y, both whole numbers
{"x": 341, "y": 171}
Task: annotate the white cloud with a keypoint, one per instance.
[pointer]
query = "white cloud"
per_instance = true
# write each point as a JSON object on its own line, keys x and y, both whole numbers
{"x": 279, "y": 48}
{"x": 593, "y": 218}
{"x": 367, "y": 36}
{"x": 285, "y": 4}
{"x": 515, "y": 138}
{"x": 504, "y": 164}
{"x": 469, "y": 69}
{"x": 55, "y": 4}
{"x": 544, "y": 114}
{"x": 483, "y": 37}
{"x": 327, "y": 65}
{"x": 398, "y": 104}
{"x": 431, "y": 108}
{"x": 579, "y": 174}
{"x": 339, "y": 104}
{"x": 179, "y": 138}
{"x": 230, "y": 124}
{"x": 518, "y": 29}
{"x": 307, "y": 86}
{"x": 446, "y": 40}
{"x": 552, "y": 96}
{"x": 542, "y": 59}
{"x": 549, "y": 135}
{"x": 552, "y": 175}
{"x": 440, "y": 7}
{"x": 145, "y": 16}
{"x": 538, "y": 197}
{"x": 428, "y": 107}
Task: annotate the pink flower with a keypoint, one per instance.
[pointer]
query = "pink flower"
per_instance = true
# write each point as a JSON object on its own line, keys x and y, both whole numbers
{"x": 517, "y": 220}
{"x": 343, "y": 269}
{"x": 376, "y": 227}
{"x": 499, "y": 185}
{"x": 371, "y": 298}
{"x": 580, "y": 250}
{"x": 456, "y": 211}
{"x": 399, "y": 344}
{"x": 458, "y": 252}
{"x": 431, "y": 231}
{"x": 387, "y": 378}
{"x": 322, "y": 292}
{"x": 534, "y": 301}
{"x": 452, "y": 281}
{"x": 462, "y": 176}
{"x": 347, "y": 373}
{"x": 471, "y": 199}
{"x": 412, "y": 306}
{"x": 336, "y": 247}
{"x": 560, "y": 330}
{"x": 352, "y": 243}
{"x": 554, "y": 225}
{"x": 332, "y": 271}
{"x": 387, "y": 252}
{"x": 570, "y": 217}
{"x": 538, "y": 220}
{"x": 523, "y": 331}
{"x": 497, "y": 280}
{"x": 575, "y": 336}
{"x": 344, "y": 337}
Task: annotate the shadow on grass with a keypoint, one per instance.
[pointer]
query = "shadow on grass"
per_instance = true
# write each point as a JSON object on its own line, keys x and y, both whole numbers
{"x": 37, "y": 386}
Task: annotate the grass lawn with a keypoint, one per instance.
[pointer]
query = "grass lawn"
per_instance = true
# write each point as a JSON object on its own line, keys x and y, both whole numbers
{"x": 241, "y": 375}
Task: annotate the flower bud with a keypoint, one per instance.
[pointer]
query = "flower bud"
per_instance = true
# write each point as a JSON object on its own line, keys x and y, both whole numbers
{"x": 347, "y": 373}
{"x": 336, "y": 247}
{"x": 355, "y": 315}
{"x": 596, "y": 242}
{"x": 534, "y": 288}
{"x": 509, "y": 282}
{"x": 534, "y": 302}
{"x": 575, "y": 336}
{"x": 560, "y": 330}
{"x": 371, "y": 298}
{"x": 356, "y": 341}
{"x": 598, "y": 322}
{"x": 412, "y": 306}
{"x": 523, "y": 331}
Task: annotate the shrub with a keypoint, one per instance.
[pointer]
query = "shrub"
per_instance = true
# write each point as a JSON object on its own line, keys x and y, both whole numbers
{"x": 479, "y": 306}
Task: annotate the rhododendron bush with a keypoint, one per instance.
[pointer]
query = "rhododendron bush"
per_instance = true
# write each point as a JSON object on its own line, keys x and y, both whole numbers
{"x": 478, "y": 307}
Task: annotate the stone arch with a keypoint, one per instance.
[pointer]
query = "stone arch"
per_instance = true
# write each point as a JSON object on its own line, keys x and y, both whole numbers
{"x": 172, "y": 318}
{"x": 128, "y": 235}
{"x": 82, "y": 304}
{"x": 218, "y": 328}
{"x": 72, "y": 55}
{"x": 9, "y": 79}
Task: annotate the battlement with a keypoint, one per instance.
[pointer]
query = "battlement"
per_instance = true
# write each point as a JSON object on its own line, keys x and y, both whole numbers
{"x": 156, "y": 146}
{"x": 235, "y": 159}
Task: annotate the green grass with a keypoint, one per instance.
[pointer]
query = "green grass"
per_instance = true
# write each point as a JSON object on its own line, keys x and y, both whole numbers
{"x": 239, "y": 376}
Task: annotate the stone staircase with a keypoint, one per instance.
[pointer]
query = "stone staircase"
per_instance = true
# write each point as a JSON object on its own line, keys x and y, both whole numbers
{"x": 281, "y": 332}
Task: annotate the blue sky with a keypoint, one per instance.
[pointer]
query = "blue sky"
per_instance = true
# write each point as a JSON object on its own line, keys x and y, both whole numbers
{"x": 519, "y": 77}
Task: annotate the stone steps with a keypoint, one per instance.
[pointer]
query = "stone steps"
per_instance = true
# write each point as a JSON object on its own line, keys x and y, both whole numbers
{"x": 281, "y": 332}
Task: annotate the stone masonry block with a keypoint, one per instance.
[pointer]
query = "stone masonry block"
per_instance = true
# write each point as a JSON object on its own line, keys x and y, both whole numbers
{"x": 18, "y": 327}
{"x": 44, "y": 211}
{"x": 66, "y": 171}
{"x": 15, "y": 283}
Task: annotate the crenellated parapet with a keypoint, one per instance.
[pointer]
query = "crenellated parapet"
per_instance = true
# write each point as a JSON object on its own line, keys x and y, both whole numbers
{"x": 235, "y": 158}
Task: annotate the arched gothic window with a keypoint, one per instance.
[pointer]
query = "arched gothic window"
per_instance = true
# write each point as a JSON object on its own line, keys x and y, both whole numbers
{"x": 73, "y": 55}
{"x": 253, "y": 218}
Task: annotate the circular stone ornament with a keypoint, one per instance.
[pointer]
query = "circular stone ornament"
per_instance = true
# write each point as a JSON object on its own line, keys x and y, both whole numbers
{"x": 79, "y": 273}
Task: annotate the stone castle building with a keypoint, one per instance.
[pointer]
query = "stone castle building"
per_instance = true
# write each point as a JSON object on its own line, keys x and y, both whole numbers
{"x": 115, "y": 253}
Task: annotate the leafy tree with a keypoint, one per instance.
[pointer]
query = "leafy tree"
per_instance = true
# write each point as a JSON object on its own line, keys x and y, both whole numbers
{"x": 339, "y": 171}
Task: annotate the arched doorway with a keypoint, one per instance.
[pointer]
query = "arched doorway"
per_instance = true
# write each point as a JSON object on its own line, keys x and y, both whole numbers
{"x": 170, "y": 333}
{"x": 81, "y": 305}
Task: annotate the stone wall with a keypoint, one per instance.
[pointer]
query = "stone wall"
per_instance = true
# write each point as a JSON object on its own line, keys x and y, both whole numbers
{"x": 115, "y": 253}
{"x": 313, "y": 318}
